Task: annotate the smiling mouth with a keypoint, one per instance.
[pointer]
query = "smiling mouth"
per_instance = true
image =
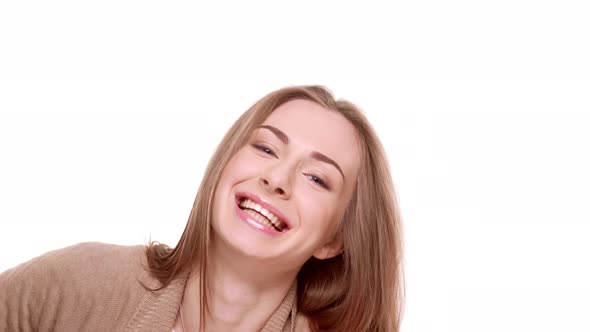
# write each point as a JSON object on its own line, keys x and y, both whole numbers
{"x": 262, "y": 215}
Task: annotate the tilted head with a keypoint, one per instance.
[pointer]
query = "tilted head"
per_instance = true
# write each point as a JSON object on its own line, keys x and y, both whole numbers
{"x": 335, "y": 211}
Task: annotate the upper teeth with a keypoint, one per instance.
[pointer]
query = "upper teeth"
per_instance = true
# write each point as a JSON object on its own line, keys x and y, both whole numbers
{"x": 246, "y": 203}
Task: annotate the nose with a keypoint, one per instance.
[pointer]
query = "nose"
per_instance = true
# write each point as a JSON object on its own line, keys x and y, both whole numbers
{"x": 277, "y": 180}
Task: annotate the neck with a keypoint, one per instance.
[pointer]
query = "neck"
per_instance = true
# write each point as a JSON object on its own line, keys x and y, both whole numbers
{"x": 240, "y": 298}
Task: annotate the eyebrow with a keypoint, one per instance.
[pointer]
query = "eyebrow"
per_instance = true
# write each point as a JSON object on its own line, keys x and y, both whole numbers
{"x": 315, "y": 155}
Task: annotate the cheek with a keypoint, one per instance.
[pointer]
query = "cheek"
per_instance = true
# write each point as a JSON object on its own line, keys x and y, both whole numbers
{"x": 242, "y": 163}
{"x": 231, "y": 174}
{"x": 319, "y": 214}
{"x": 235, "y": 169}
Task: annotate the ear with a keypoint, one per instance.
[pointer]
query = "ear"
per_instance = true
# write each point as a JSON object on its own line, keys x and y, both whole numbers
{"x": 330, "y": 249}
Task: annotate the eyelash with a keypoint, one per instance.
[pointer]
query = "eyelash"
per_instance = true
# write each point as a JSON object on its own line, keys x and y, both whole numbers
{"x": 265, "y": 149}
{"x": 316, "y": 179}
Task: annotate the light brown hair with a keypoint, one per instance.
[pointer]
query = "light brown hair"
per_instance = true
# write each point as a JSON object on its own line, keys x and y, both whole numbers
{"x": 362, "y": 288}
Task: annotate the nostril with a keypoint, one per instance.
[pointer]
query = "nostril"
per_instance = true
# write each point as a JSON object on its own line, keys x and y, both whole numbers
{"x": 272, "y": 187}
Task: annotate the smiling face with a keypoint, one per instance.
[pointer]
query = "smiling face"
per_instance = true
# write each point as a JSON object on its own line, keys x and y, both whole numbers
{"x": 282, "y": 195}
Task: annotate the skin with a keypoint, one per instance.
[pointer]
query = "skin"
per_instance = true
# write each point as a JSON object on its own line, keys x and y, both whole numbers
{"x": 251, "y": 271}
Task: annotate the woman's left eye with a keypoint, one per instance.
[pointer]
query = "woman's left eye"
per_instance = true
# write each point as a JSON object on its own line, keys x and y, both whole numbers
{"x": 318, "y": 180}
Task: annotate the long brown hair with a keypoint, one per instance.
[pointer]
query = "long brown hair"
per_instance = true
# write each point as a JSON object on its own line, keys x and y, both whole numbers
{"x": 362, "y": 288}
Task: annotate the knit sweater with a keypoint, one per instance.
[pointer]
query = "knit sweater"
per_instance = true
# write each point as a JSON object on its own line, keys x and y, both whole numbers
{"x": 98, "y": 287}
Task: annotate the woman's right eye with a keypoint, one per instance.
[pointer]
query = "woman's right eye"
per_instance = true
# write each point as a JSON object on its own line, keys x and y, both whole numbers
{"x": 264, "y": 149}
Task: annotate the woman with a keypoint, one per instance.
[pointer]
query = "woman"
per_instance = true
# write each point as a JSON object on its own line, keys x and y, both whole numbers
{"x": 295, "y": 227}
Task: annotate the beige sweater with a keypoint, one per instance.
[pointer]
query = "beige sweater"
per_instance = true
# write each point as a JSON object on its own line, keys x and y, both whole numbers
{"x": 97, "y": 287}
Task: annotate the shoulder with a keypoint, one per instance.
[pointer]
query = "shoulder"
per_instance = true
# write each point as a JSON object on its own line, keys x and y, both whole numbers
{"x": 81, "y": 262}
{"x": 72, "y": 280}
{"x": 95, "y": 257}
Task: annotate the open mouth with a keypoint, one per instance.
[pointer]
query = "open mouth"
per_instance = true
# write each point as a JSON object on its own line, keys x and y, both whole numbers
{"x": 261, "y": 215}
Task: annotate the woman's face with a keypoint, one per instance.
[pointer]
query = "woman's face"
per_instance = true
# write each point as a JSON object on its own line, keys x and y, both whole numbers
{"x": 282, "y": 195}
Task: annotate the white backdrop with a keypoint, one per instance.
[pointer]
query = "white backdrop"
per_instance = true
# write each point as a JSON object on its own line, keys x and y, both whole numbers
{"x": 110, "y": 110}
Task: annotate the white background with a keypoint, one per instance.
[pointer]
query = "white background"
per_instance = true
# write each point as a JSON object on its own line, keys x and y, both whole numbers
{"x": 110, "y": 110}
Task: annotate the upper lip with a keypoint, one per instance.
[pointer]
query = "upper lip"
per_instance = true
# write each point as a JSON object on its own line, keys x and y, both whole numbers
{"x": 258, "y": 200}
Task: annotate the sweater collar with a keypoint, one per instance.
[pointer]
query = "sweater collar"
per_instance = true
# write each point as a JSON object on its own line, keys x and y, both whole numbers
{"x": 158, "y": 309}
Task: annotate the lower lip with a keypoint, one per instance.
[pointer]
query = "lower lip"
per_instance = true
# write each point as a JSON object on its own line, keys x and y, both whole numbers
{"x": 255, "y": 224}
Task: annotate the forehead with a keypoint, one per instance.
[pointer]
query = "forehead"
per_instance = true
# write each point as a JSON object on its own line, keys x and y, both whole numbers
{"x": 312, "y": 127}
